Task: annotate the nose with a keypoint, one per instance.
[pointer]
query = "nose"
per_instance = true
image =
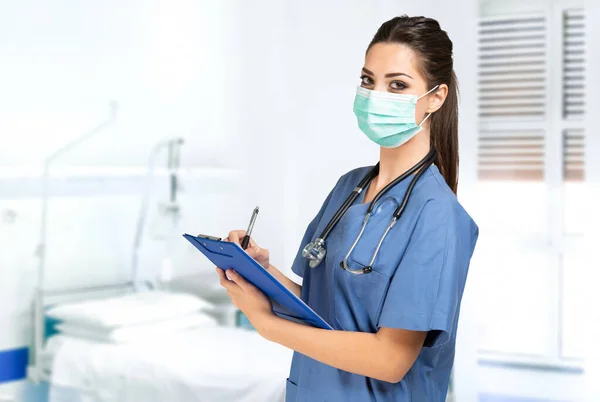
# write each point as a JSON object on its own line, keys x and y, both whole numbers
{"x": 380, "y": 86}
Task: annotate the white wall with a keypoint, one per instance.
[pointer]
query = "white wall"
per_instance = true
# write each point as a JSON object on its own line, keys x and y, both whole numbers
{"x": 163, "y": 61}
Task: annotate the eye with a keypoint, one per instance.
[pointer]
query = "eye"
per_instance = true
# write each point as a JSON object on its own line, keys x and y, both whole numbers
{"x": 366, "y": 80}
{"x": 397, "y": 85}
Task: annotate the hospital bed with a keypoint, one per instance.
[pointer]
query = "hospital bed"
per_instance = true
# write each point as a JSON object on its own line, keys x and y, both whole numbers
{"x": 175, "y": 353}
{"x": 204, "y": 363}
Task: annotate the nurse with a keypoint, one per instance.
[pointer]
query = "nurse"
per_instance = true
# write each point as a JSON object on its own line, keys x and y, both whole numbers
{"x": 395, "y": 317}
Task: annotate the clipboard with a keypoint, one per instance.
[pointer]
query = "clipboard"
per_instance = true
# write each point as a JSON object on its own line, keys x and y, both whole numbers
{"x": 229, "y": 255}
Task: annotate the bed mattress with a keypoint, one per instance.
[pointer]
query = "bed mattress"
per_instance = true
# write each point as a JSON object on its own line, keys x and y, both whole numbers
{"x": 206, "y": 364}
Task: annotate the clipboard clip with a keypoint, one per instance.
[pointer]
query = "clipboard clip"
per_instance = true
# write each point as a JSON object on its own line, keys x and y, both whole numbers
{"x": 209, "y": 237}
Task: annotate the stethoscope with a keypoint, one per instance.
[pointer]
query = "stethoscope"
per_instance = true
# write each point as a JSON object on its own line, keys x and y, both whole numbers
{"x": 315, "y": 251}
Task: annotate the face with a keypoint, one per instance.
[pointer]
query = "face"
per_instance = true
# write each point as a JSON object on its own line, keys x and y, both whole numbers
{"x": 393, "y": 67}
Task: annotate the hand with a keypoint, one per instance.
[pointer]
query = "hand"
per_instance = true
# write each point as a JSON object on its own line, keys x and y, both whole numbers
{"x": 261, "y": 255}
{"x": 247, "y": 297}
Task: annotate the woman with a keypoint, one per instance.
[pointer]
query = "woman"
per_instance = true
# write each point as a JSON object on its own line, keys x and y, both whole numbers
{"x": 395, "y": 318}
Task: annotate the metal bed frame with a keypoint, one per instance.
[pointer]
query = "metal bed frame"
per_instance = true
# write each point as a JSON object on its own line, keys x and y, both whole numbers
{"x": 44, "y": 297}
{"x": 35, "y": 371}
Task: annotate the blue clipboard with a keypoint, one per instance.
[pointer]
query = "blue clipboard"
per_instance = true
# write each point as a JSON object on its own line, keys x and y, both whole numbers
{"x": 229, "y": 255}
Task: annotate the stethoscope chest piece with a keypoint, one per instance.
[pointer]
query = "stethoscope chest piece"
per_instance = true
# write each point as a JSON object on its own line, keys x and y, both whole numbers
{"x": 315, "y": 252}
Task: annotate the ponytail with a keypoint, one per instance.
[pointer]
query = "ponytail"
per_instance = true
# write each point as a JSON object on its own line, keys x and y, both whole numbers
{"x": 444, "y": 135}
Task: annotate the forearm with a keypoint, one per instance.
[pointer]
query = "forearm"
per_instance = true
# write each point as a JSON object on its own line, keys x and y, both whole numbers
{"x": 360, "y": 353}
{"x": 287, "y": 282}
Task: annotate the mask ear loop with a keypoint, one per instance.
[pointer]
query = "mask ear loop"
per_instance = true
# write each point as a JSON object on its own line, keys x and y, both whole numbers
{"x": 423, "y": 121}
{"x": 425, "y": 94}
{"x": 428, "y": 92}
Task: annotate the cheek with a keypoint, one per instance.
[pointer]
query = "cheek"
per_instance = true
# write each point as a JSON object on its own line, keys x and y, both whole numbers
{"x": 421, "y": 111}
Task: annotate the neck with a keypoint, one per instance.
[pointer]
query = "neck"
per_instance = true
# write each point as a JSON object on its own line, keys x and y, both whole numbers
{"x": 393, "y": 162}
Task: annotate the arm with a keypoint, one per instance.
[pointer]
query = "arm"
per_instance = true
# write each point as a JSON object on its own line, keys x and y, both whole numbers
{"x": 386, "y": 355}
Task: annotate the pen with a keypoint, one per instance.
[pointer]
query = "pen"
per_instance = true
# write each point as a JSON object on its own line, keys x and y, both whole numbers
{"x": 246, "y": 238}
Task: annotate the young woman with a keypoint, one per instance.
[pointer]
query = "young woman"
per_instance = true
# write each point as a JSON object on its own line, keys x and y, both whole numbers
{"x": 393, "y": 296}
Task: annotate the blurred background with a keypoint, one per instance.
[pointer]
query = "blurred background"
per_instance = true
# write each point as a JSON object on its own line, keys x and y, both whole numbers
{"x": 124, "y": 124}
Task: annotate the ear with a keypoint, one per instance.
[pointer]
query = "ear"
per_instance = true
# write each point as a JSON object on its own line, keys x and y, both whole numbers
{"x": 437, "y": 98}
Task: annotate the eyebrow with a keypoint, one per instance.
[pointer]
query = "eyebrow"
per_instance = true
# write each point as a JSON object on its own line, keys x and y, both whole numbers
{"x": 389, "y": 75}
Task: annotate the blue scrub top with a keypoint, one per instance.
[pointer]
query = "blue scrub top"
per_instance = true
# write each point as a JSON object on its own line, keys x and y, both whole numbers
{"x": 416, "y": 284}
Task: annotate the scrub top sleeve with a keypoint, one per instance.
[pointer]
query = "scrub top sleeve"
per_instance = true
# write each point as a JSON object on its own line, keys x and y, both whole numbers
{"x": 300, "y": 263}
{"x": 426, "y": 289}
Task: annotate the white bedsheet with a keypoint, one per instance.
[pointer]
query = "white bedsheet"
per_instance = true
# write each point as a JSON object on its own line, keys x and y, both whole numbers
{"x": 208, "y": 364}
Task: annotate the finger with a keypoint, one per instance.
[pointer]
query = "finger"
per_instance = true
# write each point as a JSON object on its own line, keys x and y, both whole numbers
{"x": 234, "y": 298}
{"x": 226, "y": 283}
{"x": 251, "y": 251}
{"x": 222, "y": 278}
{"x": 235, "y": 236}
{"x": 220, "y": 272}
{"x": 259, "y": 254}
{"x": 256, "y": 250}
{"x": 240, "y": 281}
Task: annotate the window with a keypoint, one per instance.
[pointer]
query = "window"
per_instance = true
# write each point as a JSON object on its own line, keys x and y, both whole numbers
{"x": 531, "y": 156}
{"x": 512, "y": 89}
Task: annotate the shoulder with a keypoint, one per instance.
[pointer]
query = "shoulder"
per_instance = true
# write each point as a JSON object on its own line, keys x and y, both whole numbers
{"x": 343, "y": 187}
{"x": 350, "y": 179}
{"x": 355, "y": 174}
{"x": 440, "y": 206}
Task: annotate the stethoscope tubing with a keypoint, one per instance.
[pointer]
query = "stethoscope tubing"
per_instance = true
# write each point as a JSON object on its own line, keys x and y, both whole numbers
{"x": 429, "y": 159}
{"x": 316, "y": 251}
{"x": 349, "y": 201}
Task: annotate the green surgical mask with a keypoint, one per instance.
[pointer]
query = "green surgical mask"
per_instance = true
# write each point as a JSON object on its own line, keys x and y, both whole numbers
{"x": 388, "y": 119}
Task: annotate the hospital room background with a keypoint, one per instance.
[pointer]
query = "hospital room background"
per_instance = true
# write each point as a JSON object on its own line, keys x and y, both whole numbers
{"x": 124, "y": 124}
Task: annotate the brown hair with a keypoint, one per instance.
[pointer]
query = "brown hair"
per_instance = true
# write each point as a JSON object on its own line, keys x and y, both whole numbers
{"x": 434, "y": 49}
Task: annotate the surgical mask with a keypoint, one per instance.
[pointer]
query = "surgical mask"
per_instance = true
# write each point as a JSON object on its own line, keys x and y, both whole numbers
{"x": 388, "y": 119}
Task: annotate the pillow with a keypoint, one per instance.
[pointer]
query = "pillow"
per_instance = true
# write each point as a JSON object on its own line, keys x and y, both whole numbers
{"x": 138, "y": 332}
{"x": 130, "y": 309}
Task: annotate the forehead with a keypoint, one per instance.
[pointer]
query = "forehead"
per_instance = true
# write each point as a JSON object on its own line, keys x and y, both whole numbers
{"x": 383, "y": 58}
